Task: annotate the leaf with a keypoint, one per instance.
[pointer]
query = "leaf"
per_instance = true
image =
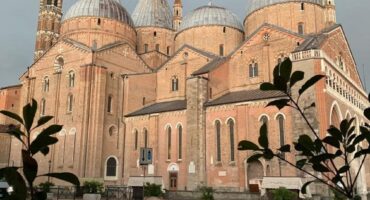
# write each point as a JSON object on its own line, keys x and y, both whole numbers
{"x": 29, "y": 112}
{"x": 310, "y": 83}
{"x": 65, "y": 176}
{"x": 280, "y": 103}
{"x": 43, "y": 120}
{"x": 51, "y": 130}
{"x": 263, "y": 139}
{"x": 362, "y": 152}
{"x": 301, "y": 163}
{"x": 41, "y": 142}
{"x": 15, "y": 179}
{"x": 336, "y": 179}
{"x": 286, "y": 69}
{"x": 280, "y": 83}
{"x": 320, "y": 168}
{"x": 285, "y": 148}
{"x": 332, "y": 141}
{"x": 267, "y": 87}
{"x": 16, "y": 133}
{"x": 333, "y": 131}
{"x": 254, "y": 158}
{"x": 365, "y": 131}
{"x": 247, "y": 145}
{"x": 367, "y": 113}
{"x": 338, "y": 153}
{"x": 306, "y": 142}
{"x": 45, "y": 150}
{"x": 304, "y": 187}
{"x": 296, "y": 77}
{"x": 343, "y": 169}
{"x": 268, "y": 154}
{"x": 12, "y": 115}
{"x": 29, "y": 166}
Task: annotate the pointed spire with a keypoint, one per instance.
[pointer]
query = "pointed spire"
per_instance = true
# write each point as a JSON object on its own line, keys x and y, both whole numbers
{"x": 153, "y": 13}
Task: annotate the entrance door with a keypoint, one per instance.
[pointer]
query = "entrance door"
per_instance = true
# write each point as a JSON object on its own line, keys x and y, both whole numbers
{"x": 173, "y": 181}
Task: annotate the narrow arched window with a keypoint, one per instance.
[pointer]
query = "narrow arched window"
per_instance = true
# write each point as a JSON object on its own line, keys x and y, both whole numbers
{"x": 43, "y": 107}
{"x": 71, "y": 79}
{"x": 265, "y": 120}
{"x": 224, "y": 30}
{"x": 180, "y": 143}
{"x": 136, "y": 139}
{"x": 157, "y": 47}
{"x": 302, "y": 6}
{"x": 45, "y": 85}
{"x": 99, "y": 21}
{"x": 111, "y": 167}
{"x": 155, "y": 33}
{"x": 175, "y": 84}
{"x": 110, "y": 104}
{"x": 169, "y": 143}
{"x": 218, "y": 140}
{"x": 281, "y": 121}
{"x": 70, "y": 103}
{"x": 145, "y": 138}
{"x": 253, "y": 69}
{"x": 221, "y": 50}
{"x": 168, "y": 50}
{"x": 231, "y": 126}
{"x": 301, "y": 28}
{"x": 146, "y": 46}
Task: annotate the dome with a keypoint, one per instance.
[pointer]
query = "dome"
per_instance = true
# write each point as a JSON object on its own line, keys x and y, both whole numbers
{"x": 211, "y": 15}
{"x": 152, "y": 13}
{"x": 111, "y": 9}
{"x": 258, "y": 4}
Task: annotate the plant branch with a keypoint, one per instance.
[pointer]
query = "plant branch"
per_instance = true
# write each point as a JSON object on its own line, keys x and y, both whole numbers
{"x": 359, "y": 171}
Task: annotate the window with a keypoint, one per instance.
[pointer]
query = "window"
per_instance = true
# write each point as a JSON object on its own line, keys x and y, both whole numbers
{"x": 155, "y": 33}
{"x": 49, "y": 2}
{"x": 253, "y": 69}
{"x": 168, "y": 50}
{"x": 99, "y": 21}
{"x": 218, "y": 140}
{"x": 136, "y": 135}
{"x": 144, "y": 101}
{"x": 302, "y": 6}
{"x": 45, "y": 85}
{"x": 180, "y": 142}
{"x": 177, "y": 12}
{"x": 175, "y": 84}
{"x": 224, "y": 30}
{"x": 221, "y": 50}
{"x": 169, "y": 143}
{"x": 110, "y": 103}
{"x": 70, "y": 103}
{"x": 43, "y": 107}
{"x": 145, "y": 48}
{"x": 231, "y": 125}
{"x": 340, "y": 61}
{"x": 301, "y": 28}
{"x": 55, "y": 2}
{"x": 111, "y": 167}
{"x": 71, "y": 79}
{"x": 265, "y": 120}
{"x": 145, "y": 138}
{"x": 280, "y": 119}
{"x": 157, "y": 47}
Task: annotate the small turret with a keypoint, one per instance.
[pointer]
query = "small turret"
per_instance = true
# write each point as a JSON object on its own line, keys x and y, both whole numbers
{"x": 330, "y": 15}
{"x": 177, "y": 14}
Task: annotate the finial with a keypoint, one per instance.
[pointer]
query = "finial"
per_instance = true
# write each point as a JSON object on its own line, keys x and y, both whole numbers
{"x": 210, "y": 3}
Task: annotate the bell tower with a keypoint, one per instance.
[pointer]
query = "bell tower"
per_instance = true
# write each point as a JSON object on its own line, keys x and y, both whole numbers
{"x": 177, "y": 14}
{"x": 330, "y": 13}
{"x": 48, "y": 26}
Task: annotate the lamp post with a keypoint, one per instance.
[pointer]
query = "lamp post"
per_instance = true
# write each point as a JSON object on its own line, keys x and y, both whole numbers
{"x": 49, "y": 170}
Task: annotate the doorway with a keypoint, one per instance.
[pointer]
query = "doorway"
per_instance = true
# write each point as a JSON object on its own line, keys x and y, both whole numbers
{"x": 173, "y": 181}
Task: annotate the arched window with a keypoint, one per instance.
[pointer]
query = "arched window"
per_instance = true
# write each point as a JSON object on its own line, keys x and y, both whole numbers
{"x": 224, "y": 29}
{"x": 110, "y": 104}
{"x": 145, "y": 134}
{"x": 301, "y": 28}
{"x": 231, "y": 126}
{"x": 155, "y": 33}
{"x": 59, "y": 64}
{"x": 146, "y": 46}
{"x": 112, "y": 130}
{"x": 281, "y": 121}
{"x": 218, "y": 140}
{"x": 168, "y": 50}
{"x": 71, "y": 79}
{"x": 302, "y": 6}
{"x": 253, "y": 69}
{"x": 340, "y": 61}
{"x": 99, "y": 21}
{"x": 111, "y": 167}
{"x": 70, "y": 103}
{"x": 136, "y": 139}
{"x": 169, "y": 143}
{"x": 55, "y": 2}
{"x": 265, "y": 120}
{"x": 45, "y": 85}
{"x": 175, "y": 84}
{"x": 43, "y": 107}
{"x": 180, "y": 142}
{"x": 221, "y": 50}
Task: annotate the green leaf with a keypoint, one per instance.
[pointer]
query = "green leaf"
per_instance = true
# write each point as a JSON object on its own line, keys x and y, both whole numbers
{"x": 306, "y": 142}
{"x": 268, "y": 154}
{"x": 286, "y": 69}
{"x": 68, "y": 177}
{"x": 247, "y": 145}
{"x": 367, "y": 113}
{"x": 51, "y": 130}
{"x": 41, "y": 142}
{"x": 320, "y": 168}
{"x": 351, "y": 148}
{"x": 310, "y": 83}
{"x": 280, "y": 103}
{"x": 29, "y": 112}
{"x": 301, "y": 163}
{"x": 45, "y": 150}
{"x": 304, "y": 187}
{"x": 30, "y": 166}
{"x": 285, "y": 148}
{"x": 333, "y": 131}
{"x": 343, "y": 169}
{"x": 12, "y": 115}
{"x": 338, "y": 153}
{"x": 362, "y": 152}
{"x": 332, "y": 141}
{"x": 254, "y": 158}
{"x": 267, "y": 87}
{"x": 43, "y": 120}
{"x": 365, "y": 131}
{"x": 280, "y": 84}
{"x": 296, "y": 77}
{"x": 263, "y": 138}
{"x": 15, "y": 179}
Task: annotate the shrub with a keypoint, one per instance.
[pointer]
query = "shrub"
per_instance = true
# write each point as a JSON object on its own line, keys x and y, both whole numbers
{"x": 45, "y": 186}
{"x": 152, "y": 190}
{"x": 207, "y": 193}
{"x": 93, "y": 187}
{"x": 283, "y": 194}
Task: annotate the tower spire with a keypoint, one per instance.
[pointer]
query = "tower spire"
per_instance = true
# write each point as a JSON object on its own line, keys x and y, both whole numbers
{"x": 177, "y": 14}
{"x": 49, "y": 21}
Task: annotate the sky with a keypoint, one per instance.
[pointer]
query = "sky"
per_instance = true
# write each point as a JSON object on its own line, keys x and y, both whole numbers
{"x": 19, "y": 18}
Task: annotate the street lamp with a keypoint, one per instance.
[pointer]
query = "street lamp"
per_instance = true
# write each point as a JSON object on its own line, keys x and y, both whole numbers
{"x": 49, "y": 170}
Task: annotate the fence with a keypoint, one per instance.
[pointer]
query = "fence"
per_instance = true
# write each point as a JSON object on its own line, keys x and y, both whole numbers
{"x": 110, "y": 193}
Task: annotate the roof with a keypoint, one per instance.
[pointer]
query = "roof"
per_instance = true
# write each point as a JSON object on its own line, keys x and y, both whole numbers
{"x": 152, "y": 13}
{"x": 245, "y": 96}
{"x": 259, "y": 4}
{"x": 211, "y": 15}
{"x": 210, "y": 66}
{"x": 160, "y": 108}
{"x": 111, "y": 9}
{"x": 11, "y": 86}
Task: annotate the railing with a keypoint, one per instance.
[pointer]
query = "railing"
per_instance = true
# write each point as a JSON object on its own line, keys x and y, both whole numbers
{"x": 306, "y": 55}
{"x": 118, "y": 193}
{"x": 110, "y": 193}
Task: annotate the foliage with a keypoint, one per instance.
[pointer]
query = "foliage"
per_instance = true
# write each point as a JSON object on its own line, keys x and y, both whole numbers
{"x": 41, "y": 144}
{"x": 207, "y": 193}
{"x": 345, "y": 144}
{"x": 93, "y": 187}
{"x": 152, "y": 190}
{"x": 46, "y": 186}
{"x": 284, "y": 194}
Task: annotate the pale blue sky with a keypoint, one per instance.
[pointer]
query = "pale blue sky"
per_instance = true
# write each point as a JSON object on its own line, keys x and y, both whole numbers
{"x": 19, "y": 18}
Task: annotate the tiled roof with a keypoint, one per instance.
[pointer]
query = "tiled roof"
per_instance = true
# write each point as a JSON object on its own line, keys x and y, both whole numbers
{"x": 153, "y": 13}
{"x": 210, "y": 66}
{"x": 160, "y": 108}
{"x": 244, "y": 96}
{"x": 258, "y": 4}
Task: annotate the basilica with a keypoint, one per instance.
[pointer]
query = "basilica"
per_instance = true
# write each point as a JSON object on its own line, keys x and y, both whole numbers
{"x": 185, "y": 85}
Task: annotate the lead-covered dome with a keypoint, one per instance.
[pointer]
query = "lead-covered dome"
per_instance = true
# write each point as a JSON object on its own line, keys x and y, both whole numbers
{"x": 110, "y": 9}
{"x": 152, "y": 13}
{"x": 258, "y": 4}
{"x": 211, "y": 15}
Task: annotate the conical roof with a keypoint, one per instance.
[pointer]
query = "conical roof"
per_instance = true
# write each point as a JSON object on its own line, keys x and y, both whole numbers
{"x": 258, "y": 4}
{"x": 153, "y": 13}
